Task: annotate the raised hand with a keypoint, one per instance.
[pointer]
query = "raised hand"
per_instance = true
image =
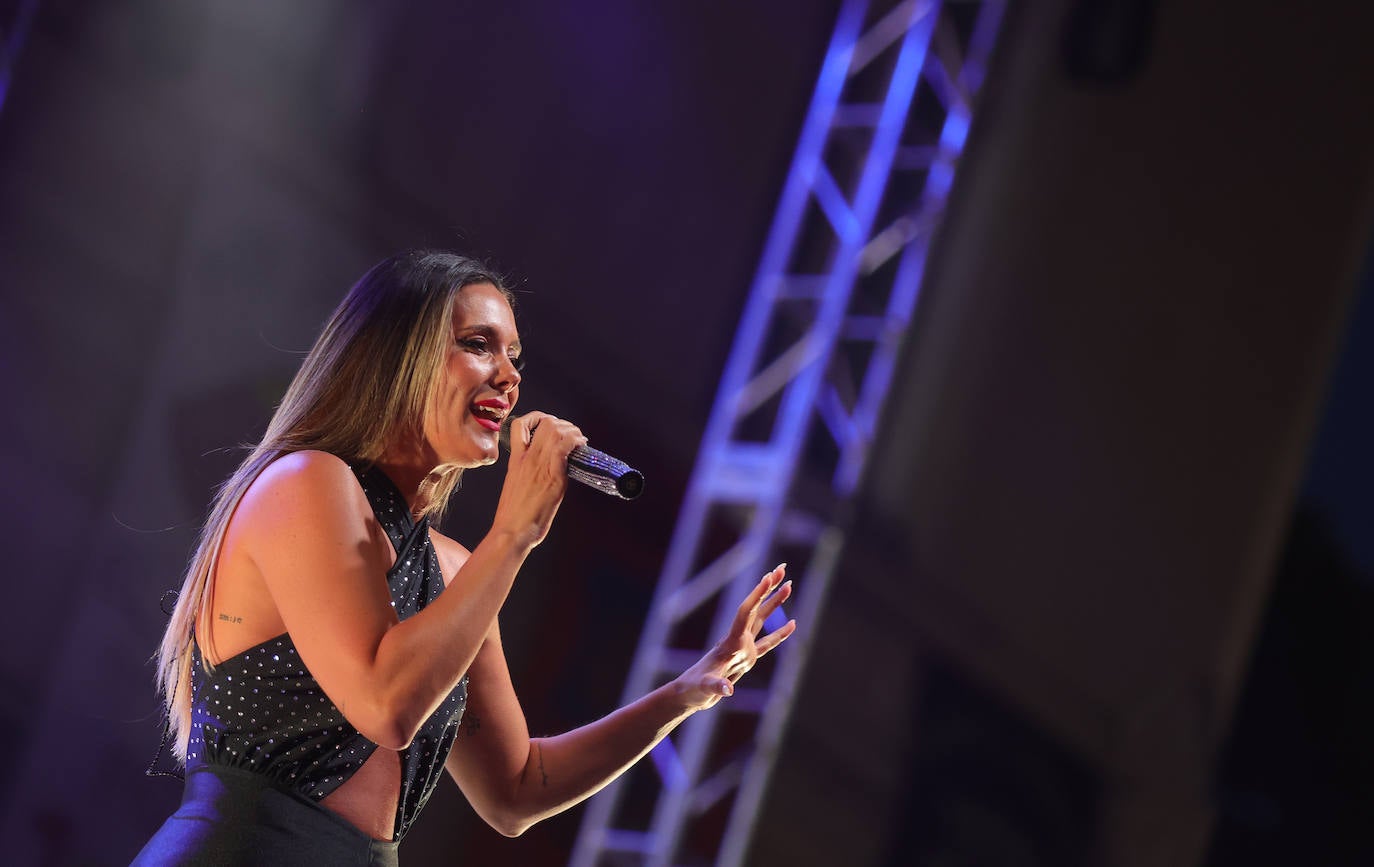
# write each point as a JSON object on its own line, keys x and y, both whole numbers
{"x": 537, "y": 476}
{"x": 713, "y": 677}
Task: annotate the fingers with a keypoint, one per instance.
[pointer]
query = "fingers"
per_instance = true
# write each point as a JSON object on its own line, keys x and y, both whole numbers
{"x": 750, "y": 606}
{"x": 537, "y": 474}
{"x": 523, "y": 427}
{"x": 761, "y": 649}
{"x": 559, "y": 436}
{"x": 773, "y": 639}
{"x": 522, "y": 430}
{"x": 770, "y": 605}
{"x": 735, "y": 654}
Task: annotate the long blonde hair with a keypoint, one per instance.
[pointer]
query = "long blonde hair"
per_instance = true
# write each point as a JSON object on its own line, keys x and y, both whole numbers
{"x": 367, "y": 384}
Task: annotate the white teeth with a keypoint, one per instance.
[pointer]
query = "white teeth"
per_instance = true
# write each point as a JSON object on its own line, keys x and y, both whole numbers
{"x": 490, "y": 412}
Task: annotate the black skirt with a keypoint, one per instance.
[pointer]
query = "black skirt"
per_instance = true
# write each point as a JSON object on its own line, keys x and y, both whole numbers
{"x": 230, "y": 817}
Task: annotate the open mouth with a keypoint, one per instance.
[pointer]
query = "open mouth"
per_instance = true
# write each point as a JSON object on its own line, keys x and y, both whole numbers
{"x": 489, "y": 414}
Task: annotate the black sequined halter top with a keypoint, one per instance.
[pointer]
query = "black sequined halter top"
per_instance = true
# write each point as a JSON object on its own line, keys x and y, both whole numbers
{"x": 263, "y": 711}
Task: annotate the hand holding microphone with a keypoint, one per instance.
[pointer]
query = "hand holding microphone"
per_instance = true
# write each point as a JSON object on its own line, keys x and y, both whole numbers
{"x": 595, "y": 469}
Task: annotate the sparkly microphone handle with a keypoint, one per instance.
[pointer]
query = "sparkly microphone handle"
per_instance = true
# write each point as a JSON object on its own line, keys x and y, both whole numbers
{"x": 609, "y": 475}
{"x": 596, "y": 469}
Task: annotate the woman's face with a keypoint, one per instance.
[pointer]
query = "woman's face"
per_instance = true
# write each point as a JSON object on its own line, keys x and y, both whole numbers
{"x": 479, "y": 383}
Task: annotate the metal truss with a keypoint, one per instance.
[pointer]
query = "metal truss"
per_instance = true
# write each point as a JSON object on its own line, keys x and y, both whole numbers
{"x": 14, "y": 34}
{"x": 819, "y": 337}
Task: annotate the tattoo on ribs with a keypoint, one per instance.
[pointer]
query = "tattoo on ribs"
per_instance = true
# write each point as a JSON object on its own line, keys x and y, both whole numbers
{"x": 229, "y": 618}
{"x": 472, "y": 722}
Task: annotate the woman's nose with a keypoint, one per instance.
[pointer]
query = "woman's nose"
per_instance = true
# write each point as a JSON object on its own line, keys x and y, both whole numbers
{"x": 507, "y": 375}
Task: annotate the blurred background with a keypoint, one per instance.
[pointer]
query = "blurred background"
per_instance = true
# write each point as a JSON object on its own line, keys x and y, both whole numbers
{"x": 1106, "y": 591}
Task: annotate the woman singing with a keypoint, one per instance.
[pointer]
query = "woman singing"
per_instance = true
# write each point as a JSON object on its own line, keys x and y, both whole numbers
{"x": 327, "y": 640}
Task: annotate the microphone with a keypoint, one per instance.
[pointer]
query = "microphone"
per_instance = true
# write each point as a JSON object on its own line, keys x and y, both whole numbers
{"x": 595, "y": 469}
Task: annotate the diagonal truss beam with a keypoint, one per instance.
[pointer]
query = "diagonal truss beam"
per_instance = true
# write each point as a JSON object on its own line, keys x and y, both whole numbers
{"x": 868, "y": 182}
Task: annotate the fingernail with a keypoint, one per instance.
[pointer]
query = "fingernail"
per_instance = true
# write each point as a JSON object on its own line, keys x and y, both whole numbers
{"x": 779, "y": 566}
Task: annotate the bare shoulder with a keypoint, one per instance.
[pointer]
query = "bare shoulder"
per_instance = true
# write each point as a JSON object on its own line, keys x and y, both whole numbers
{"x": 305, "y": 472}
{"x": 306, "y": 489}
{"x": 306, "y": 476}
{"x": 452, "y": 554}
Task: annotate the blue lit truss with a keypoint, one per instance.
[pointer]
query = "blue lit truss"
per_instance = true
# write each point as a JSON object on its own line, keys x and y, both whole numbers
{"x": 818, "y": 340}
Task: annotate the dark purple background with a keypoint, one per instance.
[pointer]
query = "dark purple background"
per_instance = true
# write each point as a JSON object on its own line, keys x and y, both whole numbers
{"x": 187, "y": 188}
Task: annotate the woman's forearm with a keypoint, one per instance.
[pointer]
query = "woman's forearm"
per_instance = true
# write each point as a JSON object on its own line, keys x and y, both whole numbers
{"x": 563, "y": 770}
{"x": 447, "y": 635}
{"x": 514, "y": 780}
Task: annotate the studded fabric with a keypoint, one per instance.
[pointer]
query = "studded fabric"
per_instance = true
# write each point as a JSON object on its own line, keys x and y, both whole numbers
{"x": 263, "y": 711}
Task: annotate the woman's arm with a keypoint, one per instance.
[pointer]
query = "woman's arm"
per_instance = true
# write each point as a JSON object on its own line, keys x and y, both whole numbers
{"x": 513, "y": 780}
{"x": 309, "y": 531}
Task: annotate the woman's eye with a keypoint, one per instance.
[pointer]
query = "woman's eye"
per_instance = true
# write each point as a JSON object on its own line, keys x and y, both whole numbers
{"x": 480, "y": 345}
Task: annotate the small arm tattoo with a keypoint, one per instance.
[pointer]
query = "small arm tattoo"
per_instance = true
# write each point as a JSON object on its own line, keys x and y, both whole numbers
{"x": 472, "y": 722}
{"x": 543, "y": 773}
{"x": 229, "y": 618}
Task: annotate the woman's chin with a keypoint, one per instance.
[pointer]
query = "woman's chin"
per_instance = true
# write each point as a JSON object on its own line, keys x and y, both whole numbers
{"x": 477, "y": 448}
{"x": 481, "y": 454}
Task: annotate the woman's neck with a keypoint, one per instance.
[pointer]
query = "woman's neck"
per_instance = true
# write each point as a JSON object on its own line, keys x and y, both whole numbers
{"x": 408, "y": 470}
